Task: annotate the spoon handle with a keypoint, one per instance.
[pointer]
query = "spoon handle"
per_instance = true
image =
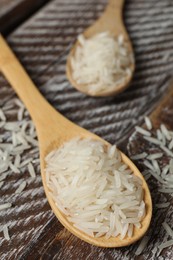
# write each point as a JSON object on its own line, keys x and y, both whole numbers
{"x": 10, "y": 67}
{"x": 116, "y": 3}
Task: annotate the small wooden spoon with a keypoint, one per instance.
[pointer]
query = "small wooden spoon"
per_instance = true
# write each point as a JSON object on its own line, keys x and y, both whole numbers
{"x": 53, "y": 130}
{"x": 111, "y": 21}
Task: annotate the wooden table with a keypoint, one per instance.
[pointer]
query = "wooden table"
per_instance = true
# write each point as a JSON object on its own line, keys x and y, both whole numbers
{"x": 13, "y": 13}
{"x": 42, "y": 44}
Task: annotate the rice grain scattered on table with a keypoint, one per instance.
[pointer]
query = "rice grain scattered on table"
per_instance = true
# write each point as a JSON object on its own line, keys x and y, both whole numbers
{"x": 142, "y": 245}
{"x": 17, "y": 138}
{"x": 161, "y": 141}
{"x": 6, "y": 233}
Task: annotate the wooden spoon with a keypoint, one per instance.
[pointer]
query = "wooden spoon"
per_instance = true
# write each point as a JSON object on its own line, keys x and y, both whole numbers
{"x": 53, "y": 130}
{"x": 111, "y": 21}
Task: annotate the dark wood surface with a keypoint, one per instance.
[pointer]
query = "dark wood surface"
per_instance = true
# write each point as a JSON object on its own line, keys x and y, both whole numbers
{"x": 14, "y": 12}
{"x": 42, "y": 45}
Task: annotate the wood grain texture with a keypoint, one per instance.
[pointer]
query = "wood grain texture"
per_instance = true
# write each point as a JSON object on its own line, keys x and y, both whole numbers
{"x": 162, "y": 114}
{"x": 13, "y": 13}
{"x": 42, "y": 44}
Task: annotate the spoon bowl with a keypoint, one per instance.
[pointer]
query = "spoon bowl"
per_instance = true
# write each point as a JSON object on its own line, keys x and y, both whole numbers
{"x": 111, "y": 21}
{"x": 53, "y": 131}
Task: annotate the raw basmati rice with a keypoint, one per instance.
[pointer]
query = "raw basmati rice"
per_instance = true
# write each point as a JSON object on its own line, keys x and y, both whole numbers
{"x": 152, "y": 140}
{"x": 6, "y": 233}
{"x": 5, "y": 206}
{"x": 21, "y": 187}
{"x": 142, "y": 131}
{"x": 13, "y": 142}
{"x": 14, "y": 168}
{"x": 18, "y": 103}
{"x": 98, "y": 67}
{"x": 142, "y": 245}
{"x": 20, "y": 114}
{"x": 139, "y": 156}
{"x": 17, "y": 160}
{"x": 168, "y": 229}
{"x": 148, "y": 165}
{"x": 156, "y": 166}
{"x": 164, "y": 148}
{"x": 2, "y": 116}
{"x": 165, "y": 190}
{"x": 154, "y": 156}
{"x": 103, "y": 207}
{"x": 165, "y": 170}
{"x": 165, "y": 132}
{"x": 31, "y": 170}
{"x": 25, "y": 162}
{"x": 166, "y": 244}
{"x": 159, "y": 135}
{"x": 162, "y": 205}
{"x": 148, "y": 122}
{"x": 163, "y": 174}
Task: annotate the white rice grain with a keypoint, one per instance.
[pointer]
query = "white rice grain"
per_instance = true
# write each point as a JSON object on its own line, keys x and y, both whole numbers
{"x": 21, "y": 187}
{"x": 165, "y": 132}
{"x": 166, "y": 244}
{"x": 14, "y": 168}
{"x": 154, "y": 156}
{"x": 18, "y": 103}
{"x": 31, "y": 140}
{"x": 168, "y": 229}
{"x": 142, "y": 131}
{"x": 162, "y": 205}
{"x": 6, "y": 233}
{"x": 148, "y": 165}
{"x": 17, "y": 161}
{"x": 31, "y": 170}
{"x": 159, "y": 134}
{"x": 153, "y": 140}
{"x": 165, "y": 170}
{"x": 164, "y": 148}
{"x": 142, "y": 245}
{"x": 5, "y": 206}
{"x": 12, "y": 126}
{"x": 25, "y": 162}
{"x": 139, "y": 156}
{"x": 165, "y": 190}
{"x": 20, "y": 114}
{"x": 156, "y": 166}
{"x": 148, "y": 122}
{"x": 157, "y": 177}
{"x": 2, "y": 115}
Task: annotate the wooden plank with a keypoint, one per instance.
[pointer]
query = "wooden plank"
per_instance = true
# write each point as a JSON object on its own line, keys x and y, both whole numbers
{"x": 42, "y": 44}
{"x": 162, "y": 114}
{"x": 13, "y": 13}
